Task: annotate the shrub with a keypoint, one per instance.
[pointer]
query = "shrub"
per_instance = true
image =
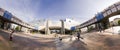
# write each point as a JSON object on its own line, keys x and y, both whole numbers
{"x": 119, "y": 22}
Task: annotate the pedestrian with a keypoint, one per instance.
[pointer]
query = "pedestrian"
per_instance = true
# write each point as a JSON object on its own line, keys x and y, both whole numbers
{"x": 60, "y": 38}
{"x": 78, "y": 35}
{"x": 11, "y": 35}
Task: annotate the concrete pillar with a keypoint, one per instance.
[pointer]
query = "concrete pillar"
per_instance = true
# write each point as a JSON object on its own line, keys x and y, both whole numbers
{"x": 105, "y": 24}
{"x": 87, "y": 28}
{"x": 98, "y": 26}
{"x": 20, "y": 28}
{"x": 7, "y": 25}
{"x": 47, "y": 30}
{"x": 62, "y": 29}
{"x": 4, "y": 25}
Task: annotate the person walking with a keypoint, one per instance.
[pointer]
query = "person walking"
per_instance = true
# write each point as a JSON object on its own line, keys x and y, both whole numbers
{"x": 11, "y": 35}
{"x": 60, "y": 38}
{"x": 78, "y": 35}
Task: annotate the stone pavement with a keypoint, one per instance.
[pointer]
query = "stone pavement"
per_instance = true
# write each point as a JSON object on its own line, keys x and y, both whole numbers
{"x": 27, "y": 42}
{"x": 91, "y": 41}
{"x": 70, "y": 43}
{"x": 102, "y": 41}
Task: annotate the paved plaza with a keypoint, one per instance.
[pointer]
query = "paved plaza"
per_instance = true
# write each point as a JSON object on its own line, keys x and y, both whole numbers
{"x": 60, "y": 25}
{"x": 91, "y": 41}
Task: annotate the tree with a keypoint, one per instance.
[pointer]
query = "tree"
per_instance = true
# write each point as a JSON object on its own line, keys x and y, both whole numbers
{"x": 118, "y": 22}
{"x": 90, "y": 28}
{"x": 17, "y": 28}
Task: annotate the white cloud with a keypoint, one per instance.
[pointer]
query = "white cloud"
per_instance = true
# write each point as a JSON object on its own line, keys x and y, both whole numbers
{"x": 83, "y": 10}
{"x": 80, "y": 10}
{"x": 19, "y": 8}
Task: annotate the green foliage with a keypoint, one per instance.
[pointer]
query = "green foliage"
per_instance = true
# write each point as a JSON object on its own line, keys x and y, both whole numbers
{"x": 17, "y": 28}
{"x": 90, "y": 28}
{"x": 33, "y": 32}
{"x": 119, "y": 22}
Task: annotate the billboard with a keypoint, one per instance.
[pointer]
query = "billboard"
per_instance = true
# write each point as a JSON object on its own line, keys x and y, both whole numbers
{"x": 7, "y": 15}
{"x": 99, "y": 16}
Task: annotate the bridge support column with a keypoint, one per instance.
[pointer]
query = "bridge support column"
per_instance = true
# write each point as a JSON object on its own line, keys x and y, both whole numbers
{"x": 47, "y": 30}
{"x": 97, "y": 26}
{"x": 20, "y": 28}
{"x": 62, "y": 29}
{"x": 9, "y": 26}
{"x": 87, "y": 28}
{"x": 105, "y": 24}
{"x": 6, "y": 25}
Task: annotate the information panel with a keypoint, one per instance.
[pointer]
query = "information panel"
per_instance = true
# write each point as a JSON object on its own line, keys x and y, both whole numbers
{"x": 7, "y": 15}
{"x": 99, "y": 16}
{"x": 73, "y": 28}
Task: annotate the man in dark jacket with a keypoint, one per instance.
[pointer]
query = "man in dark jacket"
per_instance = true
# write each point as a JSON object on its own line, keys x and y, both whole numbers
{"x": 78, "y": 35}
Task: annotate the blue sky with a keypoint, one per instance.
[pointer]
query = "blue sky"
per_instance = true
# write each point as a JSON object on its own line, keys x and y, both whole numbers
{"x": 79, "y": 10}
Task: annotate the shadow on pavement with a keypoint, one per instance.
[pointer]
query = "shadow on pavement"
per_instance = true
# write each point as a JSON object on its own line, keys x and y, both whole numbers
{"x": 5, "y": 44}
{"x": 79, "y": 45}
{"x": 32, "y": 44}
{"x": 23, "y": 43}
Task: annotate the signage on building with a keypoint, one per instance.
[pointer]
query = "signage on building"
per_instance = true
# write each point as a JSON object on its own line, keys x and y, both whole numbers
{"x": 73, "y": 28}
{"x": 99, "y": 16}
{"x": 7, "y": 15}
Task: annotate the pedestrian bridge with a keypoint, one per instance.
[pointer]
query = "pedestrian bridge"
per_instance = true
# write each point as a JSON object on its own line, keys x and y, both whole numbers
{"x": 101, "y": 19}
{"x": 7, "y": 17}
